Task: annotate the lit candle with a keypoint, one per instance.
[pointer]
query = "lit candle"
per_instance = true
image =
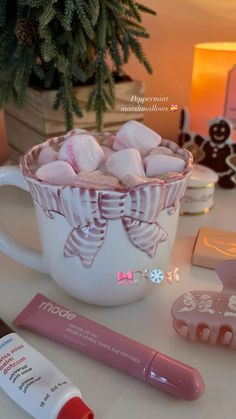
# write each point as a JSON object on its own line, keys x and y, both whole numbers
{"x": 213, "y": 84}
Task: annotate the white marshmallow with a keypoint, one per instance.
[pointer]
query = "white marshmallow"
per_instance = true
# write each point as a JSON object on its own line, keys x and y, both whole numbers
{"x": 82, "y": 151}
{"x": 58, "y": 172}
{"x": 46, "y": 155}
{"x": 162, "y": 150}
{"x": 125, "y": 162}
{"x": 158, "y": 164}
{"x": 74, "y": 132}
{"x": 135, "y": 135}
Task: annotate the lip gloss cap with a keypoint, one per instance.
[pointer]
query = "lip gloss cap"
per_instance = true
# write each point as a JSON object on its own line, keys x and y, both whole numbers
{"x": 75, "y": 408}
{"x": 175, "y": 377}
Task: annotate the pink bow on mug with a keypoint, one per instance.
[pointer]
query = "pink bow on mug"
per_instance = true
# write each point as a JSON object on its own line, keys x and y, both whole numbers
{"x": 125, "y": 279}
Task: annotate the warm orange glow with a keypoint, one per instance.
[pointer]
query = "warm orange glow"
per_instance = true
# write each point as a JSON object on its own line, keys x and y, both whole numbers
{"x": 212, "y": 62}
{"x": 217, "y": 46}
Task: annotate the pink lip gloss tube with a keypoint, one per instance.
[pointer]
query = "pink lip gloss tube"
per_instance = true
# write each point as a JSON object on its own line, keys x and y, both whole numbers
{"x": 50, "y": 319}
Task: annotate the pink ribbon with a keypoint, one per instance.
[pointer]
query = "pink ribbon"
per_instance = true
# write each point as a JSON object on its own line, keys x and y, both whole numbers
{"x": 70, "y": 151}
{"x": 123, "y": 279}
{"x": 88, "y": 212}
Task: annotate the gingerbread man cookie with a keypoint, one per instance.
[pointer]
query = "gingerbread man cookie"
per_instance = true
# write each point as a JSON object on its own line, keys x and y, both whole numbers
{"x": 217, "y": 148}
{"x": 216, "y": 151}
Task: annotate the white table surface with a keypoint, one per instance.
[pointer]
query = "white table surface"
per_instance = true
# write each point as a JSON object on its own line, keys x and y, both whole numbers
{"x": 110, "y": 393}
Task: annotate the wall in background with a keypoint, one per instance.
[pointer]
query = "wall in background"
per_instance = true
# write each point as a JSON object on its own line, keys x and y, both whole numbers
{"x": 174, "y": 31}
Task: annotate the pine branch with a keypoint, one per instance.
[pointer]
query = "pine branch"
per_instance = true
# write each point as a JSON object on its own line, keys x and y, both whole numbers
{"x": 76, "y": 106}
{"x": 22, "y": 75}
{"x": 39, "y": 72}
{"x": 66, "y": 42}
{"x": 110, "y": 100}
{"x": 139, "y": 34}
{"x": 94, "y": 7}
{"x": 48, "y": 50}
{"x": 64, "y": 99}
{"x": 50, "y": 74}
{"x": 68, "y": 14}
{"x": 138, "y": 51}
{"x": 47, "y": 16}
{"x": 32, "y": 3}
{"x": 115, "y": 53}
{"x": 132, "y": 24}
{"x": 84, "y": 19}
{"x": 146, "y": 9}
{"x": 3, "y": 10}
{"x": 132, "y": 10}
{"x": 91, "y": 100}
{"x": 115, "y": 7}
{"x": 77, "y": 72}
{"x": 102, "y": 27}
{"x": 125, "y": 47}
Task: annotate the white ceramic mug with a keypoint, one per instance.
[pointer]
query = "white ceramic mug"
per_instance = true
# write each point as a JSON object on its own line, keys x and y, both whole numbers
{"x": 92, "y": 237}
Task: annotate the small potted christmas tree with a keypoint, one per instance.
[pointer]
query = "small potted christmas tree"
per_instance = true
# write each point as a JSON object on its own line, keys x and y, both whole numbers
{"x": 49, "y": 50}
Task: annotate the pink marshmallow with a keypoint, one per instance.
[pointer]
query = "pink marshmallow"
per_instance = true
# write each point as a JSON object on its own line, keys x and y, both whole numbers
{"x": 125, "y": 162}
{"x": 82, "y": 151}
{"x": 107, "y": 153}
{"x": 158, "y": 164}
{"x": 109, "y": 140}
{"x": 46, "y": 155}
{"x": 58, "y": 172}
{"x": 135, "y": 135}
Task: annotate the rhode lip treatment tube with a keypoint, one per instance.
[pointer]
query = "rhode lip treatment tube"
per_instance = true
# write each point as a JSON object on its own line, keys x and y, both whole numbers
{"x": 50, "y": 319}
{"x": 34, "y": 383}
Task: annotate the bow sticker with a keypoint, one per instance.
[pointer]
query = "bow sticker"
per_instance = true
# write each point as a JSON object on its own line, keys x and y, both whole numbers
{"x": 125, "y": 279}
{"x": 202, "y": 304}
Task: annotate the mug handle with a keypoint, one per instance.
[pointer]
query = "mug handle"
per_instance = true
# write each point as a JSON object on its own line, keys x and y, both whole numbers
{"x": 11, "y": 176}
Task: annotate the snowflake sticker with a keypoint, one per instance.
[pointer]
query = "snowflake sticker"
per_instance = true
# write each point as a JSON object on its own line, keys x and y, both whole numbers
{"x": 156, "y": 276}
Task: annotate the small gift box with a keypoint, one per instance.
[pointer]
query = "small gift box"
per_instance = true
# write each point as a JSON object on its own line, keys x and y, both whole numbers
{"x": 199, "y": 195}
{"x": 213, "y": 246}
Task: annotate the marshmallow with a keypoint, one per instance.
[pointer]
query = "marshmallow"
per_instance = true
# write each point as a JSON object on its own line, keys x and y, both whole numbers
{"x": 75, "y": 132}
{"x": 125, "y": 162}
{"x": 96, "y": 180}
{"x": 158, "y": 164}
{"x": 58, "y": 172}
{"x": 109, "y": 139}
{"x": 82, "y": 151}
{"x": 46, "y": 155}
{"x": 107, "y": 152}
{"x": 162, "y": 150}
{"x": 131, "y": 180}
{"x": 135, "y": 135}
